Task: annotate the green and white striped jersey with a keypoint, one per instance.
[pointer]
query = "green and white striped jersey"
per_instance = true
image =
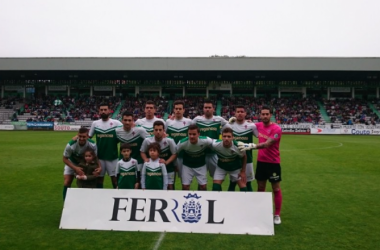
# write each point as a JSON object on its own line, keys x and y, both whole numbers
{"x": 154, "y": 176}
{"x": 244, "y": 132}
{"x": 194, "y": 155}
{"x": 106, "y": 139}
{"x": 177, "y": 129}
{"x": 210, "y": 127}
{"x": 148, "y": 124}
{"x": 74, "y": 152}
{"x": 229, "y": 159}
{"x": 127, "y": 173}
{"x": 168, "y": 148}
{"x": 134, "y": 137}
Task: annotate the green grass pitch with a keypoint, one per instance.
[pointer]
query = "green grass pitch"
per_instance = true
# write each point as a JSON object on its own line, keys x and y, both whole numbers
{"x": 330, "y": 198}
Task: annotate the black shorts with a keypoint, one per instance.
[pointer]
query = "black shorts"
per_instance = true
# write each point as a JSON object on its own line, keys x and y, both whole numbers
{"x": 268, "y": 171}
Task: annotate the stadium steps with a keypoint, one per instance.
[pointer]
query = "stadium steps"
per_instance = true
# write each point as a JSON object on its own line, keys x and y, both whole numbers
{"x": 169, "y": 110}
{"x": 219, "y": 108}
{"x": 117, "y": 110}
{"x": 324, "y": 113}
{"x": 374, "y": 109}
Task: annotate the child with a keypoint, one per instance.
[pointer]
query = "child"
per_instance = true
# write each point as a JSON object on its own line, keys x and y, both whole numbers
{"x": 126, "y": 169}
{"x": 89, "y": 164}
{"x": 153, "y": 173}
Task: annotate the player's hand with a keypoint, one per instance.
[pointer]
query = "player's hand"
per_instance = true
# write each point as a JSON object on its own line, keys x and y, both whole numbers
{"x": 79, "y": 171}
{"x": 246, "y": 146}
{"x": 97, "y": 171}
{"x": 137, "y": 185}
{"x": 75, "y": 138}
{"x": 232, "y": 120}
{"x": 162, "y": 161}
{"x": 242, "y": 177}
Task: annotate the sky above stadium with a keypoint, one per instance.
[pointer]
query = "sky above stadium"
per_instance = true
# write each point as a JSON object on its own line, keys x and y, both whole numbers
{"x": 184, "y": 28}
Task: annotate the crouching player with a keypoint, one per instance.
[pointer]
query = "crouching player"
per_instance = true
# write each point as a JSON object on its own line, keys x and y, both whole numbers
{"x": 231, "y": 161}
{"x": 126, "y": 169}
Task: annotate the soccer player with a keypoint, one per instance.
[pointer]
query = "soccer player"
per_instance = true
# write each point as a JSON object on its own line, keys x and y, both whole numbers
{"x": 231, "y": 161}
{"x": 126, "y": 169}
{"x": 268, "y": 160}
{"x": 194, "y": 149}
{"x": 132, "y": 135}
{"x": 244, "y": 132}
{"x": 177, "y": 128}
{"x": 153, "y": 173}
{"x": 167, "y": 150}
{"x": 106, "y": 141}
{"x": 150, "y": 118}
{"x": 73, "y": 155}
{"x": 210, "y": 125}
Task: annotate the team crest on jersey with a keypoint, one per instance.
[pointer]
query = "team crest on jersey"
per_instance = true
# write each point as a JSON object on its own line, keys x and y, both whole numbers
{"x": 111, "y": 124}
{"x": 133, "y": 133}
{"x": 245, "y": 126}
{"x": 192, "y": 209}
{"x": 184, "y": 123}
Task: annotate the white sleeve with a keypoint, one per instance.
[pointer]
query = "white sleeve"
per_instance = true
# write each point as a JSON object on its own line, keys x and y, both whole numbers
{"x": 92, "y": 130}
{"x": 165, "y": 176}
{"x": 255, "y": 131}
{"x": 143, "y": 173}
{"x": 68, "y": 151}
{"x": 144, "y": 146}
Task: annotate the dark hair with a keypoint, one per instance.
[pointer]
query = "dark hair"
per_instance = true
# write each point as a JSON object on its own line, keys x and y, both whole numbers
{"x": 83, "y": 130}
{"x": 193, "y": 126}
{"x": 208, "y": 101}
{"x": 150, "y": 102}
{"x": 228, "y": 130}
{"x": 125, "y": 146}
{"x": 155, "y": 146}
{"x": 266, "y": 108}
{"x": 240, "y": 107}
{"x": 159, "y": 123}
{"x": 179, "y": 102}
{"x": 103, "y": 104}
{"x": 92, "y": 152}
{"x": 126, "y": 113}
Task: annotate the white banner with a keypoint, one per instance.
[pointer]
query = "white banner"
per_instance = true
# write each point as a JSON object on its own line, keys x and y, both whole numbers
{"x": 169, "y": 211}
{"x": 7, "y": 127}
{"x": 353, "y": 131}
{"x": 66, "y": 127}
{"x": 340, "y": 89}
{"x": 14, "y": 88}
{"x": 325, "y": 131}
{"x": 290, "y": 89}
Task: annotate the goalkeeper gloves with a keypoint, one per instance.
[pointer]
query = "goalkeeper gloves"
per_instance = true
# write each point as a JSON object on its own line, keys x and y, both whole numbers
{"x": 246, "y": 146}
{"x": 232, "y": 120}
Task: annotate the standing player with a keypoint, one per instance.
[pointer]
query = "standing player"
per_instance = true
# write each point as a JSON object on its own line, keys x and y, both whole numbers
{"x": 150, "y": 118}
{"x": 194, "y": 149}
{"x": 230, "y": 161}
{"x": 126, "y": 169}
{"x": 132, "y": 135}
{"x": 244, "y": 132}
{"x": 177, "y": 128}
{"x": 106, "y": 141}
{"x": 268, "y": 160}
{"x": 73, "y": 155}
{"x": 153, "y": 173}
{"x": 167, "y": 150}
{"x": 210, "y": 125}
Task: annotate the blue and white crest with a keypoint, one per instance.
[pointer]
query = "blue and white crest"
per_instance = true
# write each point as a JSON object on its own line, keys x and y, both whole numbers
{"x": 192, "y": 209}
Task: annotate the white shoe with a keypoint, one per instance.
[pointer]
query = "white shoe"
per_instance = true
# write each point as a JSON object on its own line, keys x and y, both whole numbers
{"x": 277, "y": 220}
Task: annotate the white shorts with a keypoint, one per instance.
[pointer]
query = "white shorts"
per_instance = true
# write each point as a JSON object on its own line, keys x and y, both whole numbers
{"x": 68, "y": 171}
{"x": 178, "y": 162}
{"x": 249, "y": 172}
{"x": 171, "y": 177}
{"x": 109, "y": 167}
{"x": 211, "y": 163}
{"x": 220, "y": 174}
{"x": 139, "y": 167}
{"x": 199, "y": 173}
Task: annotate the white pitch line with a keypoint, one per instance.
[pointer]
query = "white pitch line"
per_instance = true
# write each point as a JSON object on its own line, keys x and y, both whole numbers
{"x": 158, "y": 242}
{"x": 340, "y": 145}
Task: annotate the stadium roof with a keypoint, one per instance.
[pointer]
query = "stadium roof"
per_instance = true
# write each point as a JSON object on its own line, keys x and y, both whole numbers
{"x": 192, "y": 68}
{"x": 193, "y": 64}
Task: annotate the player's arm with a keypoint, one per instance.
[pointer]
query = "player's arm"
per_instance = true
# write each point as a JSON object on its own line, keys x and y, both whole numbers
{"x": 269, "y": 142}
{"x": 137, "y": 184}
{"x": 165, "y": 177}
{"x": 143, "y": 149}
{"x": 77, "y": 170}
{"x": 170, "y": 160}
{"x": 143, "y": 174}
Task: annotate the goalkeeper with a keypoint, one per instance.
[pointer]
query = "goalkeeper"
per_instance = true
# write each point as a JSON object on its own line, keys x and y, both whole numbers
{"x": 268, "y": 160}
